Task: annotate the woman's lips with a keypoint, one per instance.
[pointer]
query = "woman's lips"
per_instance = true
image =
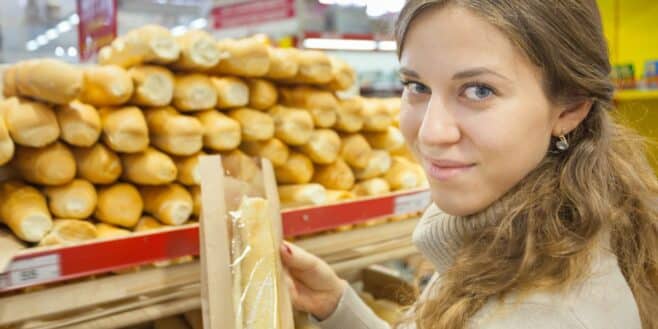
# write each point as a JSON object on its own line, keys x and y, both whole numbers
{"x": 444, "y": 170}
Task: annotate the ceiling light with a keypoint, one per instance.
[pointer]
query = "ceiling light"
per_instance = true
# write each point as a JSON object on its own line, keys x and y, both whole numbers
{"x": 42, "y": 40}
{"x": 51, "y": 34}
{"x": 72, "y": 52}
{"x": 59, "y": 51}
{"x": 387, "y": 45}
{"x": 63, "y": 27}
{"x": 178, "y": 30}
{"x": 340, "y": 44}
{"x": 74, "y": 19}
{"x": 31, "y": 45}
{"x": 199, "y": 23}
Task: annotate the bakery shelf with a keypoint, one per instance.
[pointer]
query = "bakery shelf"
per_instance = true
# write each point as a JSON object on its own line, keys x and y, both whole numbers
{"x": 42, "y": 266}
{"x": 636, "y": 95}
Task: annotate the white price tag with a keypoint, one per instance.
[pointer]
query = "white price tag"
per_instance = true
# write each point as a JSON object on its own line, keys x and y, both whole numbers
{"x": 408, "y": 204}
{"x": 33, "y": 270}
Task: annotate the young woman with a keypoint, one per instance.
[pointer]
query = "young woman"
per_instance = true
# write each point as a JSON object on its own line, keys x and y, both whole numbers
{"x": 544, "y": 209}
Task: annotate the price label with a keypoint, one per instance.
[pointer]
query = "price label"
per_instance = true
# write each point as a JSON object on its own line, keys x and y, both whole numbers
{"x": 412, "y": 203}
{"x": 31, "y": 271}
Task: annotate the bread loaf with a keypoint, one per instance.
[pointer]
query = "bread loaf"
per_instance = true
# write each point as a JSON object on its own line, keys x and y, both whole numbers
{"x": 29, "y": 123}
{"x": 119, "y": 204}
{"x": 247, "y": 57}
{"x": 50, "y": 165}
{"x": 107, "y": 231}
{"x": 298, "y": 169}
{"x": 376, "y": 115}
{"x": 194, "y": 92}
{"x": 321, "y": 104}
{"x": 109, "y": 85}
{"x": 323, "y": 147}
{"x": 97, "y": 164}
{"x": 188, "y": 169}
{"x": 198, "y": 51}
{"x": 283, "y": 63}
{"x": 147, "y": 223}
{"x": 23, "y": 209}
{"x": 335, "y": 176}
{"x": 256, "y": 125}
{"x": 314, "y": 67}
{"x": 232, "y": 92}
{"x": 262, "y": 94}
{"x": 371, "y": 187}
{"x": 80, "y": 124}
{"x": 147, "y": 44}
{"x": 379, "y": 162}
{"x": 9, "y": 88}
{"x": 343, "y": 74}
{"x": 292, "y": 126}
{"x": 45, "y": 79}
{"x": 7, "y": 147}
{"x": 240, "y": 166}
{"x": 195, "y": 192}
{"x": 334, "y": 196}
{"x": 69, "y": 232}
{"x": 150, "y": 167}
{"x": 220, "y": 133}
{"x": 355, "y": 150}
{"x": 171, "y": 204}
{"x": 272, "y": 149}
{"x": 391, "y": 139}
{"x": 302, "y": 195}
{"x": 173, "y": 132}
{"x": 154, "y": 85}
{"x": 403, "y": 174}
{"x": 75, "y": 200}
{"x": 349, "y": 115}
{"x": 124, "y": 129}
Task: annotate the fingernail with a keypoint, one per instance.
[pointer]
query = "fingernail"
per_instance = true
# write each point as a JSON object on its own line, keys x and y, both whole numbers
{"x": 288, "y": 249}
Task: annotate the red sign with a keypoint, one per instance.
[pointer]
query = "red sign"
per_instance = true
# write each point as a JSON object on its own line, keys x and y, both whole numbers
{"x": 252, "y": 12}
{"x": 98, "y": 25}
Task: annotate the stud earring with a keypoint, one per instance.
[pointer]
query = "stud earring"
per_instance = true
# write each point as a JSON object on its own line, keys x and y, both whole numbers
{"x": 562, "y": 144}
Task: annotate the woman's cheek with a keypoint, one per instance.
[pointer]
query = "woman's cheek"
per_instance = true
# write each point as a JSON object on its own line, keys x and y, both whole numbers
{"x": 410, "y": 122}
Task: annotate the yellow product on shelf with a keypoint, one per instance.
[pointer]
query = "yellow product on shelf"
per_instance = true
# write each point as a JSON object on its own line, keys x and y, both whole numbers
{"x": 298, "y": 169}
{"x": 232, "y": 92}
{"x": 323, "y": 147}
{"x": 171, "y": 204}
{"x": 314, "y": 67}
{"x": 256, "y": 125}
{"x": 321, "y": 104}
{"x": 154, "y": 85}
{"x": 262, "y": 94}
{"x": 335, "y": 176}
{"x": 80, "y": 124}
{"x": 147, "y": 223}
{"x": 173, "y": 132}
{"x": 198, "y": 51}
{"x": 283, "y": 63}
{"x": 188, "y": 169}
{"x": 150, "y": 167}
{"x": 45, "y": 79}
{"x": 147, "y": 44}
{"x": 344, "y": 76}
{"x": 195, "y": 191}
{"x": 7, "y": 146}
{"x": 193, "y": 92}
{"x": 292, "y": 126}
{"x": 97, "y": 164}
{"x": 29, "y": 123}
{"x": 24, "y": 210}
{"x": 376, "y": 115}
{"x": 355, "y": 150}
{"x": 349, "y": 115}
{"x": 75, "y": 200}
{"x": 302, "y": 195}
{"x": 119, "y": 204}
{"x": 68, "y": 232}
{"x": 402, "y": 175}
{"x": 391, "y": 139}
{"x": 273, "y": 149}
{"x": 379, "y": 162}
{"x": 371, "y": 187}
{"x": 124, "y": 129}
{"x": 220, "y": 132}
{"x": 246, "y": 57}
{"x": 107, "y": 231}
{"x": 50, "y": 165}
{"x": 109, "y": 85}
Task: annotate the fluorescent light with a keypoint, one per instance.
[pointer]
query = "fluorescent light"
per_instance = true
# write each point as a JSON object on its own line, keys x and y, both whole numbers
{"x": 178, "y": 30}
{"x": 59, "y": 51}
{"x": 199, "y": 23}
{"x": 72, "y": 52}
{"x": 387, "y": 45}
{"x": 63, "y": 27}
{"x": 31, "y": 45}
{"x": 42, "y": 40}
{"x": 74, "y": 19}
{"x": 340, "y": 44}
{"x": 51, "y": 34}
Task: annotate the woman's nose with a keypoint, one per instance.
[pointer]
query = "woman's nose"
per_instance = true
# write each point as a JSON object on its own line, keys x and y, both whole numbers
{"x": 439, "y": 125}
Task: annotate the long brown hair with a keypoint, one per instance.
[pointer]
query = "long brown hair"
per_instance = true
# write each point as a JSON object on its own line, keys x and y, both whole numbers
{"x": 603, "y": 183}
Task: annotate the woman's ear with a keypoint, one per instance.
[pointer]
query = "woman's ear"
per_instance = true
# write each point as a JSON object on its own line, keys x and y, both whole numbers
{"x": 571, "y": 116}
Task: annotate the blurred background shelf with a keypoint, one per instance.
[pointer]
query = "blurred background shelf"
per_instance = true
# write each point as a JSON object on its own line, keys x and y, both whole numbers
{"x": 636, "y": 95}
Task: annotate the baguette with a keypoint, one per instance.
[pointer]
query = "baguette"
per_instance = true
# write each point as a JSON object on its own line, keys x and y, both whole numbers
{"x": 262, "y": 94}
{"x": 171, "y": 204}
{"x": 97, "y": 164}
{"x": 376, "y": 115}
{"x": 75, "y": 200}
{"x": 314, "y": 67}
{"x": 124, "y": 129}
{"x": 246, "y": 57}
{"x": 283, "y": 63}
{"x": 107, "y": 231}
{"x": 343, "y": 75}
{"x": 80, "y": 124}
{"x": 188, "y": 169}
{"x": 379, "y": 162}
{"x": 30, "y": 123}
{"x": 24, "y": 210}
{"x": 7, "y": 146}
{"x": 147, "y": 44}
{"x": 391, "y": 139}
{"x": 371, "y": 187}
{"x": 349, "y": 115}
{"x": 335, "y": 176}
{"x": 321, "y": 104}
{"x": 150, "y": 167}
{"x": 292, "y": 126}
{"x": 355, "y": 150}
{"x": 256, "y": 125}
{"x": 194, "y": 92}
{"x": 199, "y": 51}
{"x": 402, "y": 175}
{"x": 302, "y": 195}
{"x": 220, "y": 133}
{"x": 119, "y": 204}
{"x": 147, "y": 223}
{"x": 231, "y": 92}
{"x": 47, "y": 80}
{"x": 323, "y": 147}
{"x": 334, "y": 196}
{"x": 154, "y": 85}
{"x": 173, "y": 132}
{"x": 195, "y": 192}
{"x": 272, "y": 149}
{"x": 69, "y": 232}
{"x": 298, "y": 169}
{"x": 50, "y": 165}
{"x": 240, "y": 166}
{"x": 109, "y": 85}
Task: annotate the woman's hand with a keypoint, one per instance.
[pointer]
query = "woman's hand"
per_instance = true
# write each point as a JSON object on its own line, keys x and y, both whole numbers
{"x": 314, "y": 286}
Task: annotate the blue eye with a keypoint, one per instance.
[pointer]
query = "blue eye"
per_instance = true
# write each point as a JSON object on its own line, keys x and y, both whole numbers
{"x": 416, "y": 88}
{"x": 478, "y": 92}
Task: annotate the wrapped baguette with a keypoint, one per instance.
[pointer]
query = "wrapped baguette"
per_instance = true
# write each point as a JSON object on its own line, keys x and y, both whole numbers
{"x": 194, "y": 92}
{"x": 256, "y": 125}
{"x": 355, "y": 150}
{"x": 171, "y": 204}
{"x": 272, "y": 149}
{"x": 97, "y": 164}
{"x": 173, "y": 132}
{"x": 262, "y": 94}
{"x": 50, "y": 165}
{"x": 7, "y": 147}
{"x": 246, "y": 57}
{"x": 188, "y": 169}
{"x": 199, "y": 51}
{"x": 292, "y": 126}
{"x": 172, "y": 322}
{"x": 323, "y": 147}
{"x": 283, "y": 63}
{"x": 23, "y": 208}
{"x": 321, "y": 104}
{"x": 68, "y": 232}
{"x": 232, "y": 92}
{"x": 195, "y": 192}
{"x": 402, "y": 175}
{"x": 75, "y": 200}
{"x": 391, "y": 139}
{"x": 48, "y": 80}
{"x": 349, "y": 115}
{"x": 379, "y": 162}
{"x": 107, "y": 231}
{"x": 150, "y": 167}
{"x": 147, "y": 44}
{"x": 371, "y": 187}
{"x": 154, "y": 85}
{"x": 314, "y": 67}
{"x": 302, "y": 195}
{"x": 119, "y": 204}
{"x": 29, "y": 123}
{"x": 109, "y": 85}
{"x": 124, "y": 129}
{"x": 298, "y": 169}
{"x": 376, "y": 115}
{"x": 343, "y": 74}
{"x": 80, "y": 124}
{"x": 335, "y": 176}
{"x": 220, "y": 133}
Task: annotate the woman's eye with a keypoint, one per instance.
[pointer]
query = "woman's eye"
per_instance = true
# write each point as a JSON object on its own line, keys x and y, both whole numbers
{"x": 416, "y": 88}
{"x": 478, "y": 93}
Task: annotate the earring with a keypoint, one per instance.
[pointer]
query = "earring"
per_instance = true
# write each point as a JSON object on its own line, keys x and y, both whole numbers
{"x": 562, "y": 144}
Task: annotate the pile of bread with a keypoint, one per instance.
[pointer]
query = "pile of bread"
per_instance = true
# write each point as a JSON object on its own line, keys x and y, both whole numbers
{"x": 107, "y": 149}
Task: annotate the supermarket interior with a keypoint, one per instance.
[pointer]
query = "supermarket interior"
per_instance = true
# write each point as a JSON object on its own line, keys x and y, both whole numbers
{"x": 143, "y": 144}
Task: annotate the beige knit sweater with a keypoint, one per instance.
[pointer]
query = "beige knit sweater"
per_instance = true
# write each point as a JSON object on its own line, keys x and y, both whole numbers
{"x": 602, "y": 301}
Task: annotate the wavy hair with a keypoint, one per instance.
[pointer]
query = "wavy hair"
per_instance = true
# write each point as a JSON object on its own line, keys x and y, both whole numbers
{"x": 558, "y": 213}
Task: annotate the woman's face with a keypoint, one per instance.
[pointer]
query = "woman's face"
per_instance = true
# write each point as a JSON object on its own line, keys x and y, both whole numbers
{"x": 473, "y": 109}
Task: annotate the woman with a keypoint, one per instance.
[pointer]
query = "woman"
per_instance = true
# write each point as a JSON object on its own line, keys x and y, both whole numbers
{"x": 548, "y": 208}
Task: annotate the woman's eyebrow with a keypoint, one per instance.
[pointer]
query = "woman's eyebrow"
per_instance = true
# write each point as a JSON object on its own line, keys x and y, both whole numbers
{"x": 470, "y": 73}
{"x": 409, "y": 73}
